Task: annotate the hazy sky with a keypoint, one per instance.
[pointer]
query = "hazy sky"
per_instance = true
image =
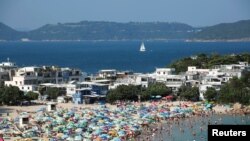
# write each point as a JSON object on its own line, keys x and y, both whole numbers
{"x": 31, "y": 14}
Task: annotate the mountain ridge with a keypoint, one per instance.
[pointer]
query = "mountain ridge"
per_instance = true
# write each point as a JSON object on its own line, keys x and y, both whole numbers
{"x": 226, "y": 31}
{"x": 103, "y": 30}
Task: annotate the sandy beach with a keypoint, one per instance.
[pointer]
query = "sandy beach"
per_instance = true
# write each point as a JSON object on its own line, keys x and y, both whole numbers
{"x": 13, "y": 110}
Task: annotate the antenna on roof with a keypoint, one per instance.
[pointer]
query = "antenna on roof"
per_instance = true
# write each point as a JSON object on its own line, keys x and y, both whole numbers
{"x": 8, "y": 59}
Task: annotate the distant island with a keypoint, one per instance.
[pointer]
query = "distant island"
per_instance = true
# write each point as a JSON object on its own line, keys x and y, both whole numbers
{"x": 100, "y": 30}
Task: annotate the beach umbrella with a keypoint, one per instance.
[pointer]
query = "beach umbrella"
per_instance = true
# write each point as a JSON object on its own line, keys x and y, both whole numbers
{"x": 104, "y": 136}
{"x": 78, "y": 130}
{"x": 66, "y": 131}
{"x": 116, "y": 139}
{"x": 70, "y": 139}
{"x": 112, "y": 133}
{"x": 97, "y": 132}
{"x": 64, "y": 136}
{"x": 87, "y": 135}
{"x": 86, "y": 139}
{"x": 121, "y": 133}
{"x": 208, "y": 105}
{"x": 59, "y": 135}
{"x": 56, "y": 129}
{"x": 65, "y": 116}
{"x": 140, "y": 121}
{"x": 78, "y": 138}
{"x": 70, "y": 125}
{"x": 60, "y": 120}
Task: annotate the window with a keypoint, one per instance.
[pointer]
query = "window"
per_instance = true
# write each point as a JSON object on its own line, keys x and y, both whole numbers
{"x": 22, "y": 88}
{"x": 28, "y": 88}
{"x": 143, "y": 79}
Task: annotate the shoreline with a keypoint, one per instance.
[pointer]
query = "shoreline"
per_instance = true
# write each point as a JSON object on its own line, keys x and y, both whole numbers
{"x": 136, "y": 40}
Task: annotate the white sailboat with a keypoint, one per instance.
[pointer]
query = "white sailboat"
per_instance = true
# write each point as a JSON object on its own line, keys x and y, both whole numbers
{"x": 142, "y": 48}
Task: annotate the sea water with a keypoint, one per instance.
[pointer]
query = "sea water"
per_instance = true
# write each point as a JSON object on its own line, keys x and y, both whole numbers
{"x": 195, "y": 128}
{"x": 91, "y": 56}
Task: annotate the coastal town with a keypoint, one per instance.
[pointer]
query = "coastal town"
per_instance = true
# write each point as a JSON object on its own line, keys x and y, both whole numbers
{"x": 80, "y": 110}
{"x": 77, "y": 85}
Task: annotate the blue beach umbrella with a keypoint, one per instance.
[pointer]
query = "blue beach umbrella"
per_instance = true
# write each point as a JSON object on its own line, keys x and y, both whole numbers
{"x": 121, "y": 133}
{"x": 78, "y": 138}
{"x": 104, "y": 136}
{"x": 65, "y": 136}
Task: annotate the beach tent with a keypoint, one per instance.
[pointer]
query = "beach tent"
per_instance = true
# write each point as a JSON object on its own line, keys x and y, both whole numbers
{"x": 169, "y": 97}
{"x": 158, "y": 96}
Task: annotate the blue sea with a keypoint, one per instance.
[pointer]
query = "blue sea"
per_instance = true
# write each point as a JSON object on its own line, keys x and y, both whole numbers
{"x": 91, "y": 56}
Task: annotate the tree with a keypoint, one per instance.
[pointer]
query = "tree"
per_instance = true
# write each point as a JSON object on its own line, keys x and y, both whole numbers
{"x": 236, "y": 90}
{"x": 208, "y": 61}
{"x": 145, "y": 95}
{"x": 124, "y": 92}
{"x": 112, "y": 96}
{"x": 1, "y": 93}
{"x": 158, "y": 89}
{"x": 210, "y": 94}
{"x": 246, "y": 78}
{"x": 10, "y": 95}
{"x": 182, "y": 65}
{"x": 31, "y": 96}
{"x": 53, "y": 93}
{"x": 42, "y": 90}
{"x": 189, "y": 93}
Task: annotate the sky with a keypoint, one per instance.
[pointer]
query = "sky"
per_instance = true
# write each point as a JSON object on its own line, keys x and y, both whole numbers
{"x": 31, "y": 14}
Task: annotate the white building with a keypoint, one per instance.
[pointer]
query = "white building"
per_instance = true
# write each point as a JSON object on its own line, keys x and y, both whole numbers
{"x": 70, "y": 74}
{"x": 28, "y": 78}
{"x": 51, "y": 106}
{"x": 168, "y": 76}
{"x": 6, "y": 66}
{"x": 7, "y": 70}
{"x": 174, "y": 81}
{"x": 108, "y": 74}
{"x": 23, "y": 121}
{"x": 144, "y": 80}
{"x": 139, "y": 79}
{"x": 164, "y": 71}
{"x": 220, "y": 75}
{"x": 93, "y": 87}
{"x": 195, "y": 74}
